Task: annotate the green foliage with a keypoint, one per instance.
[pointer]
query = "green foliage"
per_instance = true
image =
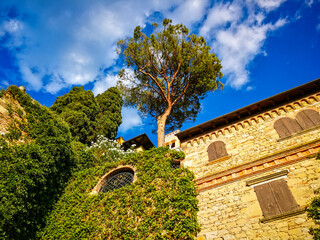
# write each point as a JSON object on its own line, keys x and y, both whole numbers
{"x": 32, "y": 173}
{"x": 173, "y": 71}
{"x": 79, "y": 109}
{"x": 83, "y": 157}
{"x": 2, "y": 91}
{"x": 160, "y": 204}
{"x": 109, "y": 117}
{"x": 88, "y": 116}
{"x": 313, "y": 211}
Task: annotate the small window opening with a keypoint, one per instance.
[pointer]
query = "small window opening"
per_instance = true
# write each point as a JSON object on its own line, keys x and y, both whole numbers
{"x": 175, "y": 165}
{"x": 118, "y": 180}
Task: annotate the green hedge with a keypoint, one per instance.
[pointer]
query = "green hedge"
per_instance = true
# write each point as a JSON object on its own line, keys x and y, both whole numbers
{"x": 313, "y": 211}
{"x": 33, "y": 172}
{"x": 161, "y": 204}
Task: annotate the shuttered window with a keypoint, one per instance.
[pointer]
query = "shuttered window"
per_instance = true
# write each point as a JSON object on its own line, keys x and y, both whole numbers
{"x": 217, "y": 150}
{"x": 308, "y": 118}
{"x": 275, "y": 198}
{"x": 286, "y": 126}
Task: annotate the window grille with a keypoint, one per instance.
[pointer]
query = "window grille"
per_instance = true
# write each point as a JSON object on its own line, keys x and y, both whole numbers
{"x": 118, "y": 180}
{"x": 175, "y": 165}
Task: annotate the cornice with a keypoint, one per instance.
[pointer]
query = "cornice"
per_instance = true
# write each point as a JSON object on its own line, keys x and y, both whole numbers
{"x": 258, "y": 166}
{"x": 214, "y": 133}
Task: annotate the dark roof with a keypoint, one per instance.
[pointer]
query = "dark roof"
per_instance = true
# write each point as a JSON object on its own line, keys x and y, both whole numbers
{"x": 141, "y": 140}
{"x": 256, "y": 108}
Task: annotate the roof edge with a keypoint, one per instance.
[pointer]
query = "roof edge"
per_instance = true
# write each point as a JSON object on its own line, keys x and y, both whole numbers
{"x": 252, "y": 109}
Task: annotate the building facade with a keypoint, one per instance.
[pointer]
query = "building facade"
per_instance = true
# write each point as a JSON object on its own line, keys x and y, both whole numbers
{"x": 255, "y": 167}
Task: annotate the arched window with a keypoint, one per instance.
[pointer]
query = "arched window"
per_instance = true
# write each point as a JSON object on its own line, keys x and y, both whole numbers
{"x": 116, "y": 178}
{"x": 286, "y": 126}
{"x": 217, "y": 150}
{"x": 308, "y": 118}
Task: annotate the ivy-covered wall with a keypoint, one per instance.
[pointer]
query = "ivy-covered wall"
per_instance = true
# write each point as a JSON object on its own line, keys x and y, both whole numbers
{"x": 35, "y": 162}
{"x": 46, "y": 180}
{"x": 160, "y": 204}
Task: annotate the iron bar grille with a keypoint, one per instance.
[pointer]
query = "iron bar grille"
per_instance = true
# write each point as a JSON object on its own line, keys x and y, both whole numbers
{"x": 117, "y": 180}
{"x": 175, "y": 165}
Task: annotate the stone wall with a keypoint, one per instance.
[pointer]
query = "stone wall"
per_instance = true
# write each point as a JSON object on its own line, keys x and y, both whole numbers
{"x": 232, "y": 211}
{"x": 229, "y": 209}
{"x": 249, "y": 139}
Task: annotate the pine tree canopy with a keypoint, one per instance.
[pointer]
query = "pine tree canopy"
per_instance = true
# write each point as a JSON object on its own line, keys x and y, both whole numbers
{"x": 172, "y": 71}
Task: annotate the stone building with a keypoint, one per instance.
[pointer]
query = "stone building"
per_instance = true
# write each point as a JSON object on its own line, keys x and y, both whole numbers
{"x": 255, "y": 167}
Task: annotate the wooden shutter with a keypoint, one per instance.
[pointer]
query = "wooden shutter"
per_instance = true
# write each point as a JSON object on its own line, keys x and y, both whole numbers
{"x": 283, "y": 196}
{"x": 266, "y": 200}
{"x": 212, "y": 153}
{"x": 275, "y": 198}
{"x": 308, "y": 118}
{"x": 286, "y": 126}
{"x": 217, "y": 150}
{"x": 221, "y": 149}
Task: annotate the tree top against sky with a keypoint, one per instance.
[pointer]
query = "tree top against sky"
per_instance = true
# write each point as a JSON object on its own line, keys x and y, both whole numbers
{"x": 172, "y": 71}
{"x": 51, "y": 46}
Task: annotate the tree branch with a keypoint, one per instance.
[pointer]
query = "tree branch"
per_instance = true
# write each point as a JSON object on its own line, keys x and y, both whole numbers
{"x": 164, "y": 97}
{"x": 182, "y": 93}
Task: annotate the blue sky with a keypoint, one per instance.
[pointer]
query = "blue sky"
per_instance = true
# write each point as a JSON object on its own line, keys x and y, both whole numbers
{"x": 266, "y": 47}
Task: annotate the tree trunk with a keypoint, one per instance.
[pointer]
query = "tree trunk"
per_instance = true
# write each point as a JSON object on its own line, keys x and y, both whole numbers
{"x": 161, "y": 123}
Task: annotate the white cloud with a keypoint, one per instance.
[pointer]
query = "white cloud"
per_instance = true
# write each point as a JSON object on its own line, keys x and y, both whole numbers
{"x": 67, "y": 43}
{"x": 238, "y": 46}
{"x": 130, "y": 119}
{"x": 70, "y": 42}
{"x": 269, "y": 5}
{"x": 33, "y": 78}
{"x": 105, "y": 83}
{"x": 4, "y": 83}
{"x": 249, "y": 88}
{"x": 237, "y": 32}
{"x": 220, "y": 15}
{"x": 12, "y": 26}
{"x": 189, "y": 11}
{"x": 309, "y": 2}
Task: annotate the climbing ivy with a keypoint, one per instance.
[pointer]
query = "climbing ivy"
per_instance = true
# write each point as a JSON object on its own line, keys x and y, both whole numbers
{"x": 160, "y": 204}
{"x": 36, "y": 160}
{"x": 313, "y": 211}
{"x": 46, "y": 180}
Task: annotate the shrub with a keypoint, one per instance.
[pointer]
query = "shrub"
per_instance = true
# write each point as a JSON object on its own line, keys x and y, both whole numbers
{"x": 34, "y": 167}
{"x": 89, "y": 116}
{"x": 160, "y": 204}
{"x": 313, "y": 211}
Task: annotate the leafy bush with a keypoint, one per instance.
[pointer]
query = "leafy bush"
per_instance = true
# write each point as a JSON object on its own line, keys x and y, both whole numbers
{"x": 314, "y": 212}
{"x": 89, "y": 117}
{"x": 109, "y": 118}
{"x": 160, "y": 204}
{"x": 34, "y": 167}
